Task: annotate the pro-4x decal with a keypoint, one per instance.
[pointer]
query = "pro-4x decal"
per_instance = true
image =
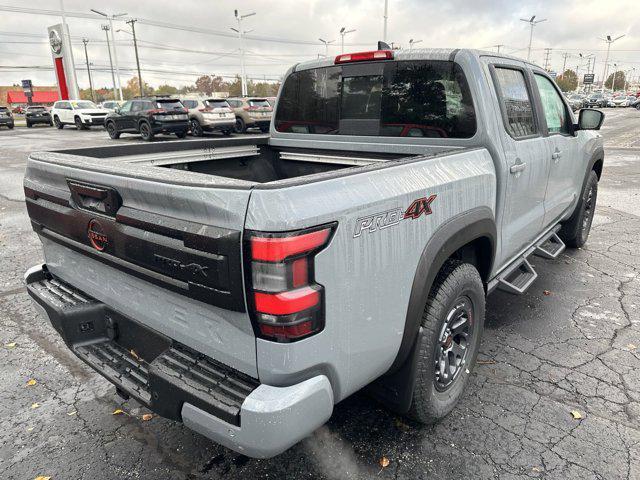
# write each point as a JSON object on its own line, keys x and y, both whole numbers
{"x": 390, "y": 218}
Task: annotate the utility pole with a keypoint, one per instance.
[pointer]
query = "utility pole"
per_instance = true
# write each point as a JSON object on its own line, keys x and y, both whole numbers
{"x": 241, "y": 33}
{"x": 564, "y": 63}
{"x": 86, "y": 56}
{"x": 547, "y": 54}
{"x": 386, "y": 16}
{"x": 498, "y": 47}
{"x": 115, "y": 50}
{"x": 609, "y": 41}
{"x": 132, "y": 22}
{"x": 532, "y": 23}
{"x": 113, "y": 78}
{"x": 343, "y": 32}
{"x": 412, "y": 42}
{"x": 326, "y": 46}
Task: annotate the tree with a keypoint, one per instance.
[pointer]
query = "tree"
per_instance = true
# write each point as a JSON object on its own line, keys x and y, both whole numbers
{"x": 568, "y": 81}
{"x": 208, "y": 84}
{"x": 166, "y": 90}
{"x": 133, "y": 89}
{"x": 620, "y": 81}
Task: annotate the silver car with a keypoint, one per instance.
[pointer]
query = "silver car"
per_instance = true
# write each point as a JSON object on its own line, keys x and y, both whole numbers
{"x": 209, "y": 115}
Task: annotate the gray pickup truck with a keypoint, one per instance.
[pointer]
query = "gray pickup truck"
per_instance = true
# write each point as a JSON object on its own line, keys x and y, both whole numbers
{"x": 244, "y": 286}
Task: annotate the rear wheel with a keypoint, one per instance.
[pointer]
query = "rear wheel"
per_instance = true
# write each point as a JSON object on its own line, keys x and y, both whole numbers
{"x": 29, "y": 125}
{"x": 181, "y": 134}
{"x": 112, "y": 130}
{"x": 575, "y": 231}
{"x": 59, "y": 125}
{"x": 240, "y": 126}
{"x": 196, "y": 128}
{"x": 145, "y": 132}
{"x": 452, "y": 322}
{"x": 10, "y": 125}
{"x": 264, "y": 129}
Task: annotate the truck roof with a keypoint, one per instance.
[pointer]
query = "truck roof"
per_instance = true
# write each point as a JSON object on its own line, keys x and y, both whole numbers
{"x": 416, "y": 54}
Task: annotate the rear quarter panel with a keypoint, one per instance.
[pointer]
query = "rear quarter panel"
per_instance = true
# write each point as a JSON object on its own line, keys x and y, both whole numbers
{"x": 367, "y": 273}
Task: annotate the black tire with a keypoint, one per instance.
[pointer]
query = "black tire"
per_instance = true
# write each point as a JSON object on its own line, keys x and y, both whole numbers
{"x": 575, "y": 231}
{"x": 112, "y": 130}
{"x": 196, "y": 128}
{"x": 79, "y": 124}
{"x": 51, "y": 123}
{"x": 145, "y": 132}
{"x": 264, "y": 129}
{"x": 226, "y": 132}
{"x": 457, "y": 288}
{"x": 181, "y": 134}
{"x": 56, "y": 121}
{"x": 240, "y": 126}
{"x": 29, "y": 125}
{"x": 10, "y": 125}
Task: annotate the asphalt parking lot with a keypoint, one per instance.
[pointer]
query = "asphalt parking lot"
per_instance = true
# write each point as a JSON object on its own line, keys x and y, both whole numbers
{"x": 571, "y": 344}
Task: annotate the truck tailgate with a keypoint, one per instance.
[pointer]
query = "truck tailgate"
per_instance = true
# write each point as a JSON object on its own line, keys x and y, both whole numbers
{"x": 166, "y": 254}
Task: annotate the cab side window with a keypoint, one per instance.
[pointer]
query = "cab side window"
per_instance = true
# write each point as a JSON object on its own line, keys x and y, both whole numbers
{"x": 555, "y": 111}
{"x": 517, "y": 107}
{"x": 126, "y": 107}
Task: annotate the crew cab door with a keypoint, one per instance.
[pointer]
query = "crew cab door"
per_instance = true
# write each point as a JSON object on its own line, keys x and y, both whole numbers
{"x": 124, "y": 120}
{"x": 557, "y": 124}
{"x": 526, "y": 156}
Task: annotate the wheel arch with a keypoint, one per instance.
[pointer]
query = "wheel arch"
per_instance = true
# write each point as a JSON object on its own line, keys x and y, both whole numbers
{"x": 471, "y": 237}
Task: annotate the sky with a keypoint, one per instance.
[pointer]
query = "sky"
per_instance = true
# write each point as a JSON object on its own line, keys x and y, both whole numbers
{"x": 180, "y": 40}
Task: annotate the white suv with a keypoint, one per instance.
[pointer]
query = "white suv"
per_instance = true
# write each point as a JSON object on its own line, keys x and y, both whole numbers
{"x": 81, "y": 113}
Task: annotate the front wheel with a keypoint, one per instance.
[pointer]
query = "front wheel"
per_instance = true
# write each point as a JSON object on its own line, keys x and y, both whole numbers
{"x": 113, "y": 132}
{"x": 575, "y": 231}
{"x": 79, "y": 124}
{"x": 145, "y": 132}
{"x": 452, "y": 322}
{"x": 59, "y": 125}
{"x": 29, "y": 125}
{"x": 196, "y": 128}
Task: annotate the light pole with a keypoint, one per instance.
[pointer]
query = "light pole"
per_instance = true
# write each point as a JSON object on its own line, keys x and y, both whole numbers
{"x": 132, "y": 22}
{"x": 532, "y": 23}
{"x": 115, "y": 51}
{"x": 412, "y": 42}
{"x": 86, "y": 56}
{"x": 326, "y": 46}
{"x": 343, "y": 32}
{"x": 241, "y": 32}
{"x": 113, "y": 78}
{"x": 609, "y": 41}
{"x": 386, "y": 16}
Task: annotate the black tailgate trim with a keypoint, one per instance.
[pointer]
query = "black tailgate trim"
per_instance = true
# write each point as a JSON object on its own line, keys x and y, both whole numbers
{"x": 199, "y": 261}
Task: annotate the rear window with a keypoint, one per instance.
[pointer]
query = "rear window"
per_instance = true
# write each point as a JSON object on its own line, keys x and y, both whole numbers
{"x": 190, "y": 103}
{"x": 259, "y": 103}
{"x": 404, "y": 99}
{"x": 170, "y": 104}
{"x": 217, "y": 104}
{"x": 3, "y": 109}
{"x": 36, "y": 109}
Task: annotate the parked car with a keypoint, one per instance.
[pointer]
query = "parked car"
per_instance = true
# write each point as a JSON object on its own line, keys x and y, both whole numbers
{"x": 148, "y": 117}
{"x": 596, "y": 100}
{"x": 35, "y": 115}
{"x": 209, "y": 115}
{"x": 81, "y": 113}
{"x": 248, "y": 291}
{"x": 111, "y": 104}
{"x": 272, "y": 101}
{"x": 6, "y": 117}
{"x": 19, "y": 109}
{"x": 575, "y": 101}
{"x": 251, "y": 112}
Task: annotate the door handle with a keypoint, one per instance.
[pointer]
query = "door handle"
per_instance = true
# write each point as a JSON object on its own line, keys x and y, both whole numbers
{"x": 517, "y": 167}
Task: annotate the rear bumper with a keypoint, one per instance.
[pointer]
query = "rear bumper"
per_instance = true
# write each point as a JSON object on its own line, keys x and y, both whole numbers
{"x": 170, "y": 127}
{"x": 177, "y": 382}
{"x": 6, "y": 121}
{"x": 212, "y": 124}
{"x": 255, "y": 122}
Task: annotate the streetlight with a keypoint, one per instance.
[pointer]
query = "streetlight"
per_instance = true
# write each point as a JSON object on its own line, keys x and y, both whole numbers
{"x": 86, "y": 56}
{"x": 609, "y": 41}
{"x": 412, "y": 42}
{"x": 386, "y": 16}
{"x": 326, "y": 46}
{"x": 113, "y": 78}
{"x": 532, "y": 23}
{"x": 115, "y": 51}
{"x": 241, "y": 32}
{"x": 343, "y": 32}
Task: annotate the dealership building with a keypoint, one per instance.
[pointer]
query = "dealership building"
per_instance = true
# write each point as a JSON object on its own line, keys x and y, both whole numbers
{"x": 12, "y": 96}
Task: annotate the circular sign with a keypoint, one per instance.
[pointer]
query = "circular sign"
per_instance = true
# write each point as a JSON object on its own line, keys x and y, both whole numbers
{"x": 55, "y": 41}
{"x": 97, "y": 238}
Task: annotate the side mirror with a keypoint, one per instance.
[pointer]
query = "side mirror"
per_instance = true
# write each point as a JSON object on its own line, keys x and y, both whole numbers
{"x": 116, "y": 109}
{"x": 590, "y": 119}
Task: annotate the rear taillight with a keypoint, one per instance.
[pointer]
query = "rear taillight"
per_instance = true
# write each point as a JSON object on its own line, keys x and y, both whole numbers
{"x": 156, "y": 110}
{"x": 364, "y": 56}
{"x": 285, "y": 302}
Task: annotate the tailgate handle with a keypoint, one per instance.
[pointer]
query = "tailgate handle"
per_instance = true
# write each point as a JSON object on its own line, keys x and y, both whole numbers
{"x": 95, "y": 198}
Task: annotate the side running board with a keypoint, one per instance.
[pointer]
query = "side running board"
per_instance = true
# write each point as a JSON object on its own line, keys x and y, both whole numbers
{"x": 551, "y": 246}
